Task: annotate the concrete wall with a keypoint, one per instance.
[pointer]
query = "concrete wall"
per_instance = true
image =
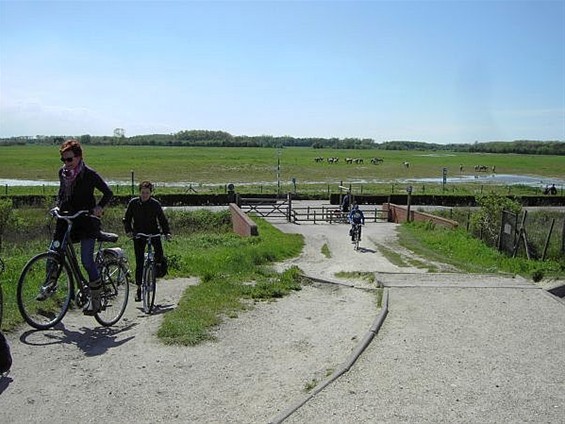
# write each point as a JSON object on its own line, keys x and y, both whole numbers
{"x": 398, "y": 214}
{"x": 242, "y": 224}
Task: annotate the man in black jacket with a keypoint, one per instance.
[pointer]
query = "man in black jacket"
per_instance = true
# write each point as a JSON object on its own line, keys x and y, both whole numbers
{"x": 144, "y": 214}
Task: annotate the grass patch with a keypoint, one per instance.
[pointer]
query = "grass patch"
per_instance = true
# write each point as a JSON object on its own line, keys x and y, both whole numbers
{"x": 357, "y": 275}
{"x": 460, "y": 249}
{"x": 232, "y": 270}
{"x": 326, "y": 251}
{"x": 392, "y": 256}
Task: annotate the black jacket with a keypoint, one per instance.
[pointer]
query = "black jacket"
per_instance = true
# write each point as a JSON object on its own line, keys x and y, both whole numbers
{"x": 145, "y": 217}
{"x": 82, "y": 196}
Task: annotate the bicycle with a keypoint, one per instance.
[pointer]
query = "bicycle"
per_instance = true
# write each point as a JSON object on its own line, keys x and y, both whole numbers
{"x": 356, "y": 235}
{"x": 56, "y": 274}
{"x": 149, "y": 277}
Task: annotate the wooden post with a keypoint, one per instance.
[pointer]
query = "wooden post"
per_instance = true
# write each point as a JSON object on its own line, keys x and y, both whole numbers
{"x": 547, "y": 240}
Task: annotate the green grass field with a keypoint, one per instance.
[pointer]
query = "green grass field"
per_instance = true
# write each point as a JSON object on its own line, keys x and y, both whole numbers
{"x": 219, "y": 166}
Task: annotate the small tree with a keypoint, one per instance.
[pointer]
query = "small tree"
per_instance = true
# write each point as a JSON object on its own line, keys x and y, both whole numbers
{"x": 488, "y": 219}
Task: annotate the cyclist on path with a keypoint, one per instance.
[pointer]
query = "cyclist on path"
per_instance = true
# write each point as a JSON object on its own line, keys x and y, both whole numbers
{"x": 144, "y": 214}
{"x": 356, "y": 216}
{"x": 77, "y": 183}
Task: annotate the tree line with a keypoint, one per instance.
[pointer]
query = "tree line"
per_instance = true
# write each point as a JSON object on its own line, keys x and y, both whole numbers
{"x": 207, "y": 138}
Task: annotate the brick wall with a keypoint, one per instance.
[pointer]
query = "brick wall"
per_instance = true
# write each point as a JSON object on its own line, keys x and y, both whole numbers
{"x": 397, "y": 213}
{"x": 242, "y": 224}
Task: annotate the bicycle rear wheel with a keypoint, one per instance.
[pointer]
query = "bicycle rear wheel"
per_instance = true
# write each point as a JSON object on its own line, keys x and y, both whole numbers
{"x": 44, "y": 290}
{"x": 148, "y": 288}
{"x": 115, "y": 292}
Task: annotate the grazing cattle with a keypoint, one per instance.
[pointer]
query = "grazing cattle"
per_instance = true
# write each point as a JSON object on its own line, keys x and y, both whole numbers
{"x": 406, "y": 164}
{"x": 348, "y": 160}
{"x": 481, "y": 168}
{"x": 318, "y": 159}
{"x": 358, "y": 160}
{"x": 376, "y": 161}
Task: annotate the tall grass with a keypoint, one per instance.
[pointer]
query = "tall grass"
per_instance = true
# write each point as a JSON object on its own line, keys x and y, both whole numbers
{"x": 459, "y": 248}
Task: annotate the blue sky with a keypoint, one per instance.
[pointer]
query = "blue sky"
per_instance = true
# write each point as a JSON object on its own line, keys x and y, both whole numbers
{"x": 433, "y": 71}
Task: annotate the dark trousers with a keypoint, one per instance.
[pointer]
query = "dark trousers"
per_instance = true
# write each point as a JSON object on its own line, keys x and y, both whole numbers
{"x": 139, "y": 249}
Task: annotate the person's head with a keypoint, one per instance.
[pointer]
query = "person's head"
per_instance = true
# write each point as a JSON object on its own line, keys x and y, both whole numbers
{"x": 71, "y": 153}
{"x": 355, "y": 206}
{"x": 145, "y": 190}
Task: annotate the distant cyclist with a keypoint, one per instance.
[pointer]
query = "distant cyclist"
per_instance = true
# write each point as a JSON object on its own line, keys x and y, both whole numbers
{"x": 356, "y": 217}
{"x": 144, "y": 214}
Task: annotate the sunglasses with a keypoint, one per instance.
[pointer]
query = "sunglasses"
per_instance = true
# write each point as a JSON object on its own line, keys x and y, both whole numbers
{"x": 68, "y": 160}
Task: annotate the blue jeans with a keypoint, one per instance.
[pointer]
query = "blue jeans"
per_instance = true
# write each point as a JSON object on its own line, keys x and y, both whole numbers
{"x": 87, "y": 258}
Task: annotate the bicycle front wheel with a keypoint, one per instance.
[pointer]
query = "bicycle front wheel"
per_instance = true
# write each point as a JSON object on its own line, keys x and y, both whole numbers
{"x": 115, "y": 292}
{"x": 148, "y": 288}
{"x": 44, "y": 290}
{"x": 357, "y": 237}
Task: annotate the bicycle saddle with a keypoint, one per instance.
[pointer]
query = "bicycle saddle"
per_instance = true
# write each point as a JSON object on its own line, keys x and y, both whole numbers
{"x": 110, "y": 237}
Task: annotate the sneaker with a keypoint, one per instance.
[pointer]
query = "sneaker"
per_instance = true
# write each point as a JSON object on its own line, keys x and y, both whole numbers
{"x": 46, "y": 290}
{"x": 138, "y": 294}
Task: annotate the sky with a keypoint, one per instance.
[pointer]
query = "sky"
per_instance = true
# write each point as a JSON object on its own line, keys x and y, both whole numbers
{"x": 433, "y": 71}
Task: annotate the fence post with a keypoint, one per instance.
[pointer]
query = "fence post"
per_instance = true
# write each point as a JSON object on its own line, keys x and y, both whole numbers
{"x": 547, "y": 240}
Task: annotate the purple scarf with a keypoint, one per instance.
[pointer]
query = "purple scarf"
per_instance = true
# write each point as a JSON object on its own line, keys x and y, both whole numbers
{"x": 68, "y": 179}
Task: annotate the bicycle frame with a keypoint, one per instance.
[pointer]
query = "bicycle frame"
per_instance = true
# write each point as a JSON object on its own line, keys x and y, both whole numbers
{"x": 68, "y": 255}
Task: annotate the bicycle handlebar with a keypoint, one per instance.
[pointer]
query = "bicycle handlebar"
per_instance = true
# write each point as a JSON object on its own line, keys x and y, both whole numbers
{"x": 55, "y": 213}
{"x": 148, "y": 236}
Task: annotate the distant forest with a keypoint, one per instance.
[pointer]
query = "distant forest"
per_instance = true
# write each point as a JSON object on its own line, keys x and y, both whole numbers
{"x": 205, "y": 138}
